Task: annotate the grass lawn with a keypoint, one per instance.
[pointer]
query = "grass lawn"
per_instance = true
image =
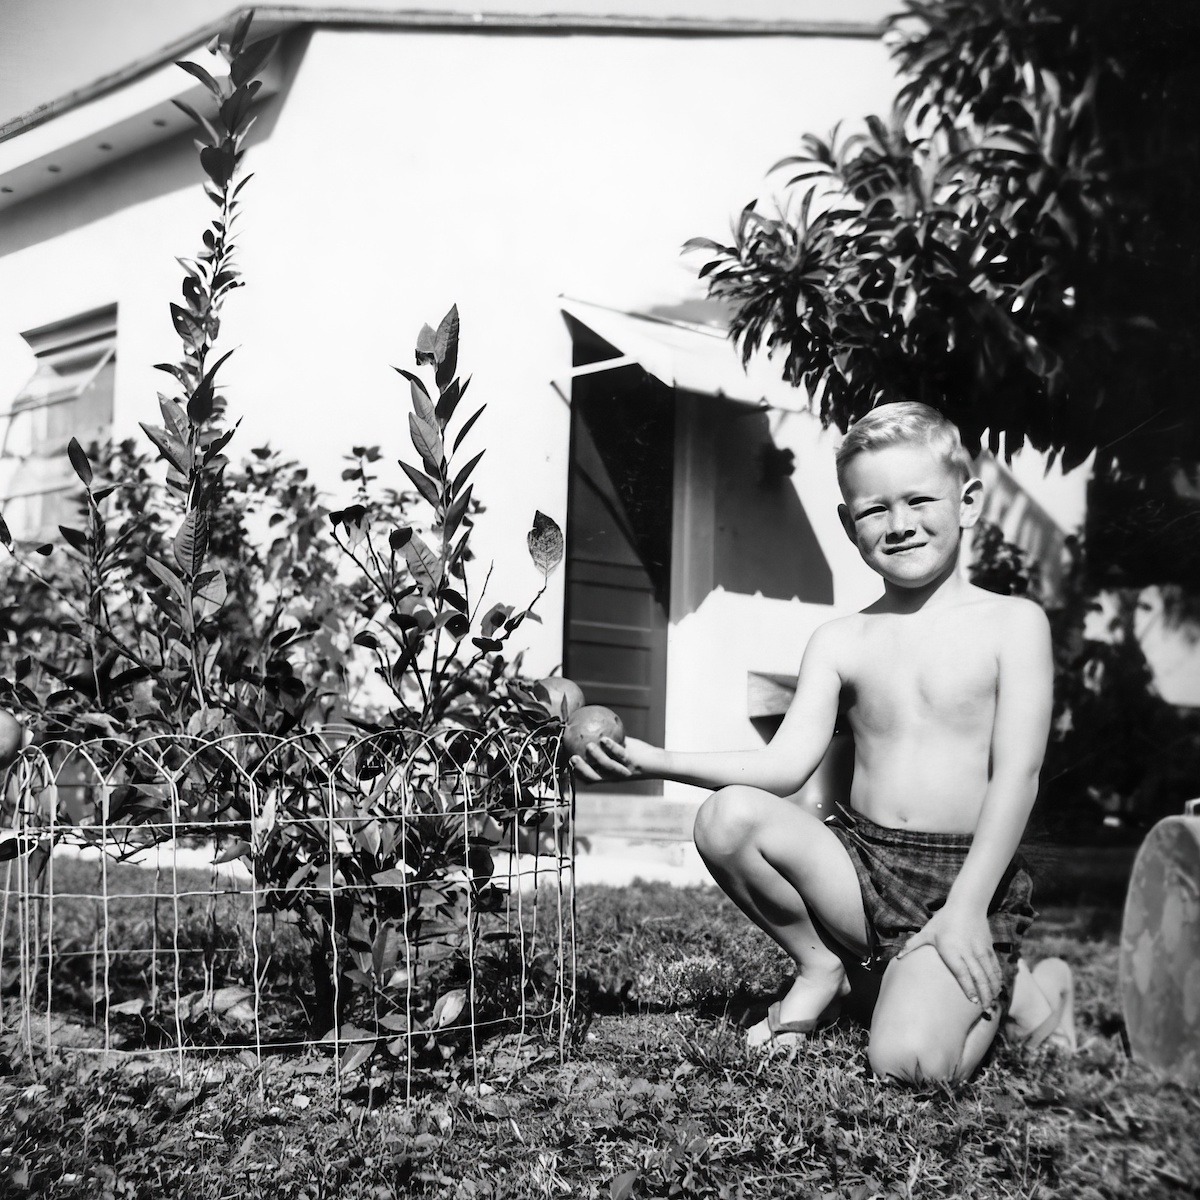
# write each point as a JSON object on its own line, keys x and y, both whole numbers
{"x": 658, "y": 1099}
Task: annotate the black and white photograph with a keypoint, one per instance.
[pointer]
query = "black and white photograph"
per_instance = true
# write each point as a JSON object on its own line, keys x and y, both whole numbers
{"x": 600, "y": 599}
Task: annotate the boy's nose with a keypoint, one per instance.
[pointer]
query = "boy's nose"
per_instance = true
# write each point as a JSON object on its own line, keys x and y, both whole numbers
{"x": 900, "y": 526}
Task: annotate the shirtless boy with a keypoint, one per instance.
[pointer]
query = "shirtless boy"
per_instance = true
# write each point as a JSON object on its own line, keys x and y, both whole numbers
{"x": 910, "y": 899}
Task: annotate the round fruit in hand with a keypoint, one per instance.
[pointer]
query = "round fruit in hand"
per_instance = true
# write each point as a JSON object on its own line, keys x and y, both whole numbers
{"x": 589, "y": 724}
{"x": 566, "y": 696}
{"x": 12, "y": 738}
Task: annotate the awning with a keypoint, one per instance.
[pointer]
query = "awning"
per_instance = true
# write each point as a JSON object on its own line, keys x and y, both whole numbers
{"x": 693, "y": 358}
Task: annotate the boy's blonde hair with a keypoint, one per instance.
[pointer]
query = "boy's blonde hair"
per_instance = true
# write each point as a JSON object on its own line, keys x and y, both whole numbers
{"x": 905, "y": 422}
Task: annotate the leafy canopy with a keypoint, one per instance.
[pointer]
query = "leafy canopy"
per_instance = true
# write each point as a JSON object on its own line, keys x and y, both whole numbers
{"x": 1014, "y": 245}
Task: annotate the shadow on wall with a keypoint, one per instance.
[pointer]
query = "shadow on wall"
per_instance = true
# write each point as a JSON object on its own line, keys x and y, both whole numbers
{"x": 763, "y": 541}
{"x": 158, "y": 170}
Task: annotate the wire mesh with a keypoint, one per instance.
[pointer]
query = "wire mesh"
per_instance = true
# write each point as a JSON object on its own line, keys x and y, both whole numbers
{"x": 404, "y": 899}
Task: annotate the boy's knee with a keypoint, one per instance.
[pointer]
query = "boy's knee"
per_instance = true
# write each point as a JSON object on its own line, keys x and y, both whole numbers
{"x": 912, "y": 1056}
{"x": 726, "y": 819}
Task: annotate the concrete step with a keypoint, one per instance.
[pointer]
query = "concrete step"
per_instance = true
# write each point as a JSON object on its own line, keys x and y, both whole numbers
{"x": 638, "y": 818}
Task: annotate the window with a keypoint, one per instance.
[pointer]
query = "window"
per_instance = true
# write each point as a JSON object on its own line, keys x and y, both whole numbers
{"x": 70, "y": 395}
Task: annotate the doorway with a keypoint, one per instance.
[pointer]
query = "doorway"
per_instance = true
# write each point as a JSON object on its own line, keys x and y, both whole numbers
{"x": 618, "y": 559}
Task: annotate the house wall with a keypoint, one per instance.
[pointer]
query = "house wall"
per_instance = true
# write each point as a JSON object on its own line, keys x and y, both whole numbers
{"x": 765, "y": 564}
{"x": 398, "y": 173}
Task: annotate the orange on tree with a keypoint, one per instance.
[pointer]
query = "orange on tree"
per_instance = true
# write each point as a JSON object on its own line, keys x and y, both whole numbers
{"x": 565, "y": 695}
{"x": 12, "y": 737}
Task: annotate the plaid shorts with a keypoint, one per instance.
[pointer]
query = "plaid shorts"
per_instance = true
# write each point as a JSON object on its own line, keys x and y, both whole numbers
{"x": 905, "y": 876}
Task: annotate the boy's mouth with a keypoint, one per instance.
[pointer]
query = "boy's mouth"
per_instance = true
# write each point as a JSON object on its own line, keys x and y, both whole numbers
{"x": 904, "y": 549}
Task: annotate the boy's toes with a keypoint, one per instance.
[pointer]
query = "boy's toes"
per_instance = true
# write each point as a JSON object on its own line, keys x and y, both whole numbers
{"x": 772, "y": 1032}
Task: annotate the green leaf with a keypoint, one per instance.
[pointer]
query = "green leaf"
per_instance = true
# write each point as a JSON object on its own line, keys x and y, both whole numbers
{"x": 423, "y": 564}
{"x": 235, "y": 849}
{"x": 461, "y": 477}
{"x": 198, "y": 72}
{"x": 462, "y": 433}
{"x": 414, "y": 380}
{"x": 399, "y": 538}
{"x": 203, "y": 122}
{"x": 174, "y": 417}
{"x": 219, "y": 163}
{"x": 79, "y": 461}
{"x": 5, "y": 534}
{"x": 422, "y": 405}
{"x": 545, "y": 542}
{"x": 445, "y": 347}
{"x": 449, "y": 1007}
{"x": 366, "y": 638}
{"x": 74, "y": 537}
{"x": 393, "y": 877}
{"x": 172, "y": 449}
{"x": 422, "y": 483}
{"x": 427, "y": 442}
{"x": 237, "y": 39}
{"x": 447, "y": 403}
{"x": 622, "y": 1187}
{"x": 190, "y": 544}
{"x": 211, "y": 595}
{"x": 457, "y": 511}
{"x": 455, "y": 599}
{"x": 250, "y": 61}
{"x": 186, "y": 325}
{"x": 702, "y": 243}
{"x": 164, "y": 574}
{"x": 200, "y": 404}
{"x": 356, "y": 1055}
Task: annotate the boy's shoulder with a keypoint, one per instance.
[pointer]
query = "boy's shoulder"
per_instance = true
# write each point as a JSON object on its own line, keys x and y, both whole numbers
{"x": 1012, "y": 613}
{"x": 1006, "y": 616}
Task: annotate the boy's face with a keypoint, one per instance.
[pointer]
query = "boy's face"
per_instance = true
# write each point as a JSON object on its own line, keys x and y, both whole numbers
{"x": 905, "y": 510}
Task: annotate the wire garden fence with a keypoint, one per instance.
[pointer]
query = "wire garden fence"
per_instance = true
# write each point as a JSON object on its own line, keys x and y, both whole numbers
{"x": 402, "y": 899}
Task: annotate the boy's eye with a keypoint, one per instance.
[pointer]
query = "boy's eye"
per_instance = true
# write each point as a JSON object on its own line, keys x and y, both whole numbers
{"x": 869, "y": 512}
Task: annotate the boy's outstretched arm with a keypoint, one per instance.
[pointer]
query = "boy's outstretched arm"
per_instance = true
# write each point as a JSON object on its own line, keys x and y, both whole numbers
{"x": 780, "y": 767}
{"x": 1024, "y": 701}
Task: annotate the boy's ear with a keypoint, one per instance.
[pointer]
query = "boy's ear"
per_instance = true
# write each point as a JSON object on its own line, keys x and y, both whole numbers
{"x": 847, "y": 522}
{"x": 970, "y": 505}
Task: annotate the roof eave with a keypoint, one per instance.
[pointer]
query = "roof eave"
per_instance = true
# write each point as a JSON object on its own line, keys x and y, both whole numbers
{"x": 276, "y": 19}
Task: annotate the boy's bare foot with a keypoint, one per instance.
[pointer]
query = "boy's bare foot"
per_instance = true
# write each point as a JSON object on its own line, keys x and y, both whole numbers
{"x": 1056, "y": 984}
{"x": 813, "y": 1000}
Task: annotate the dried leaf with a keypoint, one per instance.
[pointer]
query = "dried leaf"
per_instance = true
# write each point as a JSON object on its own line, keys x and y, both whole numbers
{"x": 545, "y": 542}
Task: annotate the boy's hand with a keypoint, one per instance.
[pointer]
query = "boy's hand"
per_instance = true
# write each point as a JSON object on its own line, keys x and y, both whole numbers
{"x": 609, "y": 762}
{"x": 964, "y": 941}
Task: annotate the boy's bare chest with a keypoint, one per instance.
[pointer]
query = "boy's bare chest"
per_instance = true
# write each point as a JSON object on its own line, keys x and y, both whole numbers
{"x": 903, "y": 669}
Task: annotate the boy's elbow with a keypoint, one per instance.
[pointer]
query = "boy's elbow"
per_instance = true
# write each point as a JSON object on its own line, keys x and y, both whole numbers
{"x": 782, "y": 772}
{"x": 1018, "y": 780}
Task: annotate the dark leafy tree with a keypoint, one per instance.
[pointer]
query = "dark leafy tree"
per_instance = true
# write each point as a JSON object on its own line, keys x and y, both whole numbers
{"x": 1015, "y": 245}
{"x": 1116, "y": 746}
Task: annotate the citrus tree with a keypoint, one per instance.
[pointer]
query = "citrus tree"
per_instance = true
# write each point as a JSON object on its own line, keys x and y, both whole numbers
{"x": 198, "y": 666}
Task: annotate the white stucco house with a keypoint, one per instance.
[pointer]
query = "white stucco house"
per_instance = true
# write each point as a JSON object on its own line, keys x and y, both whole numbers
{"x": 541, "y": 169}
